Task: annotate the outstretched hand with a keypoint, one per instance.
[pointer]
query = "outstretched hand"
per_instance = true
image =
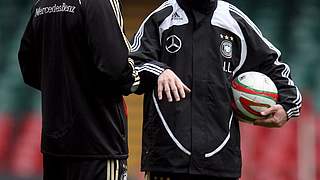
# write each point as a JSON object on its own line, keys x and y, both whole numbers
{"x": 172, "y": 86}
{"x": 276, "y": 117}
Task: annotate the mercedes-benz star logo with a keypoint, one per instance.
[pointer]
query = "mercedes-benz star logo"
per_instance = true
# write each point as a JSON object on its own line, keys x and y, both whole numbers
{"x": 173, "y": 44}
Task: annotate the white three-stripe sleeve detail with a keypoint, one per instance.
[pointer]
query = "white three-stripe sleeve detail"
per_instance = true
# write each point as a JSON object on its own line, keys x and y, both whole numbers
{"x": 151, "y": 71}
{"x": 137, "y": 39}
{"x": 36, "y": 2}
{"x": 286, "y": 72}
{"x": 150, "y": 68}
{"x": 117, "y": 12}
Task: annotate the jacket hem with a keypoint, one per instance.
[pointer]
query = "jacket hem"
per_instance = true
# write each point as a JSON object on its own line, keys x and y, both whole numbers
{"x": 93, "y": 156}
{"x": 213, "y": 173}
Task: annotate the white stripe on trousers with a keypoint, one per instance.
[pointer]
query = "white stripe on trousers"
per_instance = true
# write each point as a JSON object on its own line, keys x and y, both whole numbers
{"x": 108, "y": 170}
{"x": 147, "y": 176}
{"x": 113, "y": 169}
{"x": 117, "y": 170}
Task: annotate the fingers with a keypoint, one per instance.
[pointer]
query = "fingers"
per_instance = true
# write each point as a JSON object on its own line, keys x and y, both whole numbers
{"x": 269, "y": 122}
{"x": 276, "y": 117}
{"x": 172, "y": 86}
{"x": 186, "y": 88}
{"x": 182, "y": 88}
{"x": 167, "y": 90}
{"x": 270, "y": 110}
{"x": 174, "y": 89}
{"x": 160, "y": 89}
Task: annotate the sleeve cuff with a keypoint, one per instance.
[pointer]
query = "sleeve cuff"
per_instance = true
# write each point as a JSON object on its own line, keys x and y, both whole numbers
{"x": 292, "y": 110}
{"x": 135, "y": 75}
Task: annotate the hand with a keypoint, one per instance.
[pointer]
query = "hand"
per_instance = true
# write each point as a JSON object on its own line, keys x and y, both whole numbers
{"x": 276, "y": 117}
{"x": 169, "y": 82}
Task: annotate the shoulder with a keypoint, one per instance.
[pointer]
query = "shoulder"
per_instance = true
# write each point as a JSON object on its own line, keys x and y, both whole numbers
{"x": 227, "y": 13}
{"x": 233, "y": 11}
{"x": 35, "y": 2}
{"x": 163, "y": 11}
{"x": 226, "y": 8}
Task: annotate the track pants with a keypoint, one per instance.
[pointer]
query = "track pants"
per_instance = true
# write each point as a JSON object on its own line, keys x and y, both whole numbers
{"x": 84, "y": 169}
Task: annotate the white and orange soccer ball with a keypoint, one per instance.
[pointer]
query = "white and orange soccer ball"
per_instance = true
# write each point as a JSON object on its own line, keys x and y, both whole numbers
{"x": 253, "y": 92}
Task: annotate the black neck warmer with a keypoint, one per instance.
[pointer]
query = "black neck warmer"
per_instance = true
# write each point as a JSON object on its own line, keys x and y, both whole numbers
{"x": 202, "y": 6}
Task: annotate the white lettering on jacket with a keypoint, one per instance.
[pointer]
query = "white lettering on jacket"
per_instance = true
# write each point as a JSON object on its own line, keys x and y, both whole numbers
{"x": 54, "y": 9}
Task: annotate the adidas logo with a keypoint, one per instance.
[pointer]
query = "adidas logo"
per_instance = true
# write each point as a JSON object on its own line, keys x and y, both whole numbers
{"x": 176, "y": 16}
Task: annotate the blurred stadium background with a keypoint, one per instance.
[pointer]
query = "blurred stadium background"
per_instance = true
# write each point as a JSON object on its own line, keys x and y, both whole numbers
{"x": 290, "y": 153}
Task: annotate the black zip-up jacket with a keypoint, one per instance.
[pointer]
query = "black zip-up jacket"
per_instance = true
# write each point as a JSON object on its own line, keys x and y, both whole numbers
{"x": 206, "y": 49}
{"x": 75, "y": 53}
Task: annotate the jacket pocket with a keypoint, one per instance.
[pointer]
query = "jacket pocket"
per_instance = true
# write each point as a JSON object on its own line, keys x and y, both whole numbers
{"x": 57, "y": 125}
{"x": 218, "y": 115}
{"x": 218, "y": 95}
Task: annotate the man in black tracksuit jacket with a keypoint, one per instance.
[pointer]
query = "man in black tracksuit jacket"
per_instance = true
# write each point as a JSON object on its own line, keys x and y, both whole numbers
{"x": 206, "y": 43}
{"x": 76, "y": 54}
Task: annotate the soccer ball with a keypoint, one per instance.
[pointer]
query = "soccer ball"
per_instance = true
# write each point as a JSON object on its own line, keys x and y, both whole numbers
{"x": 253, "y": 92}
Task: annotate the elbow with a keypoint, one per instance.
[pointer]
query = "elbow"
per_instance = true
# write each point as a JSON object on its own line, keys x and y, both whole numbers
{"x": 32, "y": 81}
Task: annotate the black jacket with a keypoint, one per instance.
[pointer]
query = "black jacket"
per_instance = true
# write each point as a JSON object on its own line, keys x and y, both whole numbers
{"x": 76, "y": 54}
{"x": 200, "y": 134}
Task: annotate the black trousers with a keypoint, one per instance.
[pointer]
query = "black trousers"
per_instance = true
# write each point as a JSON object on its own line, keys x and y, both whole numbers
{"x": 172, "y": 176}
{"x": 56, "y": 168}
